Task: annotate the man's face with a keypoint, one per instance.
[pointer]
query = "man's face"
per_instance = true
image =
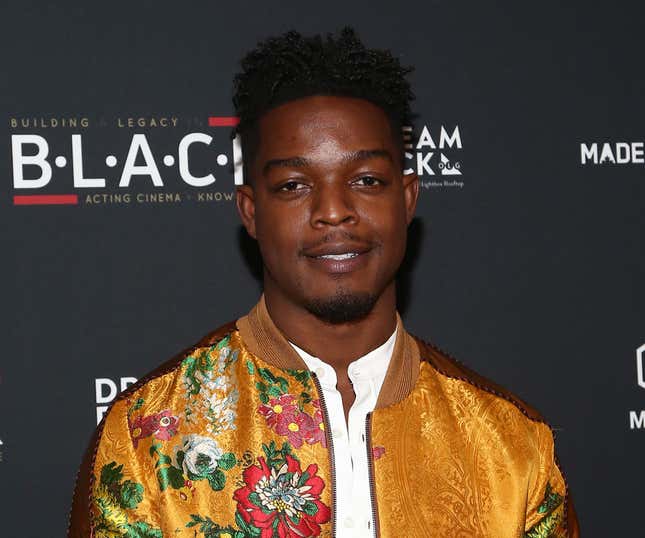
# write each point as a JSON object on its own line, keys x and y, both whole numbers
{"x": 328, "y": 205}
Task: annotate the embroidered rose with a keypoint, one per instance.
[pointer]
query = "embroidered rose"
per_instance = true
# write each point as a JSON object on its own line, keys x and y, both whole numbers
{"x": 201, "y": 455}
{"x": 283, "y": 502}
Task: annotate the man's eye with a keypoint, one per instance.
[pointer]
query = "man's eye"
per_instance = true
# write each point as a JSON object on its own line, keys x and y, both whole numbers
{"x": 291, "y": 186}
{"x": 368, "y": 181}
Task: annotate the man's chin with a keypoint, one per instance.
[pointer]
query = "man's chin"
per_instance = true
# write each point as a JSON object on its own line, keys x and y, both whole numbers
{"x": 342, "y": 307}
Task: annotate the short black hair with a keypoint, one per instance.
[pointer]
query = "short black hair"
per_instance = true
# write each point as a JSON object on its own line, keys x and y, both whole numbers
{"x": 291, "y": 66}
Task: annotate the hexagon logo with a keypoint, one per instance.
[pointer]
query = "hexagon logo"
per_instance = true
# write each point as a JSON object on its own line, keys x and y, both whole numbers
{"x": 640, "y": 358}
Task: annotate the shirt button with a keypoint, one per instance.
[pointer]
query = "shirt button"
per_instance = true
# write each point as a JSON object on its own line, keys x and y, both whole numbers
{"x": 349, "y": 522}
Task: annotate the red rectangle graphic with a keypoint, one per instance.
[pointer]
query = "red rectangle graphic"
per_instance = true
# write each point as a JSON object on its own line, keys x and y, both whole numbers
{"x": 46, "y": 199}
{"x": 223, "y": 121}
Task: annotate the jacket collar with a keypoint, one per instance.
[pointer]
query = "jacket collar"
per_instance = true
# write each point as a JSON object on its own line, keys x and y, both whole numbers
{"x": 265, "y": 340}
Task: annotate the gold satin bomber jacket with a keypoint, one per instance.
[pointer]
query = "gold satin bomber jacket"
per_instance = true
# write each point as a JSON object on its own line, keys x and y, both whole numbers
{"x": 230, "y": 440}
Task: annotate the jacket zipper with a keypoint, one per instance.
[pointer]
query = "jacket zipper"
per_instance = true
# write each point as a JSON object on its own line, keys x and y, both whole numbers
{"x": 330, "y": 446}
{"x": 370, "y": 469}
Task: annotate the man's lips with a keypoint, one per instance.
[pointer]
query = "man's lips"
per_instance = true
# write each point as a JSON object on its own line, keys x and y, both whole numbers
{"x": 337, "y": 250}
{"x": 339, "y": 257}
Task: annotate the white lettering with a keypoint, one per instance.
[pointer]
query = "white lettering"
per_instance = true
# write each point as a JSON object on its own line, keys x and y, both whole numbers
{"x": 77, "y": 165}
{"x": 100, "y": 411}
{"x": 111, "y": 386}
{"x": 20, "y": 160}
{"x": 184, "y": 172}
{"x": 607, "y": 154}
{"x": 636, "y": 420}
{"x": 139, "y": 142}
{"x": 238, "y": 168}
{"x": 127, "y": 381}
{"x": 589, "y": 152}
{"x": 425, "y": 139}
{"x": 423, "y": 163}
{"x": 449, "y": 141}
{"x": 637, "y": 152}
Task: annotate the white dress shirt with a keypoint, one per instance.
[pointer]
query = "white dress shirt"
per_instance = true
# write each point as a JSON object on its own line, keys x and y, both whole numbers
{"x": 353, "y": 501}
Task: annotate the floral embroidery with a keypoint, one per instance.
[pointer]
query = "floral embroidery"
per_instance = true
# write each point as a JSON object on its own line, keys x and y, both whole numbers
{"x": 553, "y": 510}
{"x": 210, "y": 529}
{"x": 161, "y": 426}
{"x": 279, "y": 499}
{"x": 113, "y": 498}
{"x": 197, "y": 458}
{"x": 284, "y": 412}
{"x": 211, "y": 387}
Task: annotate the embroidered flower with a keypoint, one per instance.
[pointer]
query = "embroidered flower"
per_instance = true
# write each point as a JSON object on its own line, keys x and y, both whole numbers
{"x": 201, "y": 455}
{"x": 160, "y": 425}
{"x": 296, "y": 428}
{"x": 211, "y": 387}
{"x": 317, "y": 432}
{"x": 277, "y": 410}
{"x": 283, "y": 502}
{"x": 378, "y": 451}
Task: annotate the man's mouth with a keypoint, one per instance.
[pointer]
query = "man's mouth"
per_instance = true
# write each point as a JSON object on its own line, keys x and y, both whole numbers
{"x": 344, "y": 256}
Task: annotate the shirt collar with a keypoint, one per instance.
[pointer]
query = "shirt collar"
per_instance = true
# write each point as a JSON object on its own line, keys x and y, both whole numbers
{"x": 372, "y": 366}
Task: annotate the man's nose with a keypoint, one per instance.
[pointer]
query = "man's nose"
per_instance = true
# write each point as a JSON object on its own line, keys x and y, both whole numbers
{"x": 332, "y": 205}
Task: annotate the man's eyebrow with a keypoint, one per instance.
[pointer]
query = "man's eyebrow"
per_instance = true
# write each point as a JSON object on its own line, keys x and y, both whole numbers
{"x": 366, "y": 154}
{"x": 355, "y": 156}
{"x": 289, "y": 162}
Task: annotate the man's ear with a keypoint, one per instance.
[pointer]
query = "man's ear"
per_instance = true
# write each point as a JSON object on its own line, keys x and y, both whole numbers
{"x": 245, "y": 201}
{"x": 411, "y": 194}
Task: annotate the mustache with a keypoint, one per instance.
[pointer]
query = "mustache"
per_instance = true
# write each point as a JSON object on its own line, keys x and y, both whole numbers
{"x": 337, "y": 237}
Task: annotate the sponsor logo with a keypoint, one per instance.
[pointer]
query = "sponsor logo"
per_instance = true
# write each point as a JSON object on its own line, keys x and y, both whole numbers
{"x": 106, "y": 390}
{"x": 124, "y": 160}
{"x": 437, "y": 152}
{"x": 612, "y": 153}
{"x": 637, "y": 418}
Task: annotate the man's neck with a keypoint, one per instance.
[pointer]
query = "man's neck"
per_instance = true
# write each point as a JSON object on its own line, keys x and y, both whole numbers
{"x": 336, "y": 344}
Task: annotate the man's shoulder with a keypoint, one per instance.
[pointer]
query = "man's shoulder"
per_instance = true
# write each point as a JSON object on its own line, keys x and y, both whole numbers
{"x": 174, "y": 364}
{"x": 449, "y": 367}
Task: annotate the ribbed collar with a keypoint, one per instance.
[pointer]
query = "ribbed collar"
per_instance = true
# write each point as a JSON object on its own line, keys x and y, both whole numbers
{"x": 265, "y": 340}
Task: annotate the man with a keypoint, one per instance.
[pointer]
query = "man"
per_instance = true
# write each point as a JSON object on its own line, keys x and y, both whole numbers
{"x": 317, "y": 414}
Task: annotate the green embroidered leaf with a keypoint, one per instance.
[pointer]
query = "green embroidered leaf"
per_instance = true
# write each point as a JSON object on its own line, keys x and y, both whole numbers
{"x": 284, "y": 384}
{"x": 247, "y": 528}
{"x": 163, "y": 460}
{"x": 136, "y": 406}
{"x": 227, "y": 461}
{"x": 180, "y": 458}
{"x": 217, "y": 480}
{"x": 224, "y": 341}
{"x": 250, "y": 367}
{"x": 306, "y": 397}
{"x": 261, "y": 386}
{"x": 254, "y": 498}
{"x": 551, "y": 500}
{"x": 131, "y": 494}
{"x": 267, "y": 375}
{"x": 303, "y": 479}
{"x": 111, "y": 474}
{"x": 302, "y": 376}
{"x": 546, "y": 527}
{"x": 170, "y": 476}
{"x": 310, "y": 508}
{"x": 141, "y": 529}
{"x": 264, "y": 398}
{"x": 274, "y": 391}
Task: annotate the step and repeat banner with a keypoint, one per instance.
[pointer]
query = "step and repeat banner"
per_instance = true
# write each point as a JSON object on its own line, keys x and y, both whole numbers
{"x": 122, "y": 246}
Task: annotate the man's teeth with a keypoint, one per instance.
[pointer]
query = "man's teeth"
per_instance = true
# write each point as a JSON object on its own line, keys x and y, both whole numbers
{"x": 345, "y": 256}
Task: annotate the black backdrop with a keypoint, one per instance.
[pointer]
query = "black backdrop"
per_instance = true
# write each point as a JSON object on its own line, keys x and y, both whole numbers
{"x": 527, "y": 265}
